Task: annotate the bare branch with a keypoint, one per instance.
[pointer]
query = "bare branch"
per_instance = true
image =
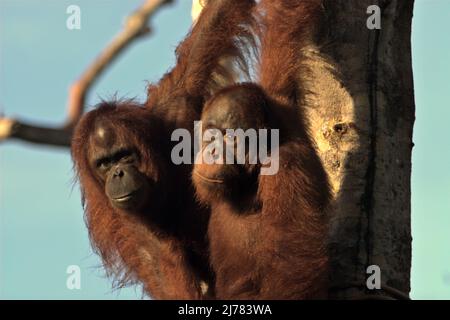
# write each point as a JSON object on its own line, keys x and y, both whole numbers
{"x": 10, "y": 128}
{"x": 136, "y": 25}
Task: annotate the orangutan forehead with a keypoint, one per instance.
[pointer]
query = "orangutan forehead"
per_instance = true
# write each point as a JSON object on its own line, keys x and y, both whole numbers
{"x": 233, "y": 111}
{"x": 103, "y": 140}
{"x": 104, "y": 135}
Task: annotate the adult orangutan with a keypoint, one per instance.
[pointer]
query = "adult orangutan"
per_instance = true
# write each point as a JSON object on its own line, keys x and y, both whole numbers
{"x": 140, "y": 208}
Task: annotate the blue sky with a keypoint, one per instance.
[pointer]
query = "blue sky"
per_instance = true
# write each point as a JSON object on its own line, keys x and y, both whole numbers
{"x": 42, "y": 230}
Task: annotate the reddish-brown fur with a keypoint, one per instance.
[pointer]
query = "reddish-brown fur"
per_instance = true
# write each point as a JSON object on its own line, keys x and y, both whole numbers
{"x": 273, "y": 245}
{"x": 167, "y": 253}
{"x": 138, "y": 246}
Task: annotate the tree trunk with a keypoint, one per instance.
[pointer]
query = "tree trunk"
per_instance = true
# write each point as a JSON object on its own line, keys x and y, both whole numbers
{"x": 360, "y": 104}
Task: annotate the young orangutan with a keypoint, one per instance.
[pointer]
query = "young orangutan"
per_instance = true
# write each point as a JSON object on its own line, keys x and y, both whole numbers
{"x": 267, "y": 233}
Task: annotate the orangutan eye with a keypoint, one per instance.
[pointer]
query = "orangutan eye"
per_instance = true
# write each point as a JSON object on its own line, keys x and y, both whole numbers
{"x": 103, "y": 164}
{"x": 126, "y": 156}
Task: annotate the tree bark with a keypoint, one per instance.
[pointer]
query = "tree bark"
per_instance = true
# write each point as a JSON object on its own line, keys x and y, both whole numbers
{"x": 360, "y": 103}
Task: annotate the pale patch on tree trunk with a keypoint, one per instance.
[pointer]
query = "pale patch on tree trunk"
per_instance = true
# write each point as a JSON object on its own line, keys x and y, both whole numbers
{"x": 360, "y": 105}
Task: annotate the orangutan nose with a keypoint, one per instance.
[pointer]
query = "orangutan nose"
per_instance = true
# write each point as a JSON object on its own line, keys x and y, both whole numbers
{"x": 118, "y": 172}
